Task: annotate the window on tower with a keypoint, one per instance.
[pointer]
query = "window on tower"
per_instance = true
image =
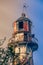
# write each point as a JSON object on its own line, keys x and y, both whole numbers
{"x": 20, "y": 25}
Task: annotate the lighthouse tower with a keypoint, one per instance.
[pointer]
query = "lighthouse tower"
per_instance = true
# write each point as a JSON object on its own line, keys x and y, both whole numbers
{"x": 23, "y": 41}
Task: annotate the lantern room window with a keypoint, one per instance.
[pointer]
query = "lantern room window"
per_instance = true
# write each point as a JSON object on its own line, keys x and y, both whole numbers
{"x": 20, "y": 25}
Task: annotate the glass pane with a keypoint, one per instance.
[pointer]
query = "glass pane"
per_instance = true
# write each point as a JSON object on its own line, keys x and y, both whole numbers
{"x": 23, "y": 49}
{"x": 19, "y": 37}
{"x": 20, "y": 25}
{"x": 22, "y": 57}
{"x": 17, "y": 50}
{"x": 15, "y": 27}
{"x": 26, "y": 26}
{"x": 28, "y": 50}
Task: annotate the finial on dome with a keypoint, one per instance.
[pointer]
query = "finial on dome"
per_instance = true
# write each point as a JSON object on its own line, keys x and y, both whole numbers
{"x": 23, "y": 14}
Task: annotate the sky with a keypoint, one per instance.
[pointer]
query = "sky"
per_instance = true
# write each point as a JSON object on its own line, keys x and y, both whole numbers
{"x": 10, "y": 11}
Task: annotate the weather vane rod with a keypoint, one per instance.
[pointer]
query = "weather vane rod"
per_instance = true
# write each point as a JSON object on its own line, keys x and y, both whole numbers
{"x": 25, "y": 6}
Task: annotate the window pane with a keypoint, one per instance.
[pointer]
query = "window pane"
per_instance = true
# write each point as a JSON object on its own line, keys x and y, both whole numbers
{"x": 29, "y": 50}
{"x": 23, "y": 49}
{"x": 15, "y": 27}
{"x": 22, "y": 57}
{"x": 17, "y": 50}
{"x": 26, "y": 26}
{"x": 19, "y": 37}
{"x": 20, "y": 25}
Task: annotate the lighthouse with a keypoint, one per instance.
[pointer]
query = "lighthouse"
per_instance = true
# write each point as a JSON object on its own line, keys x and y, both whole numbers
{"x": 23, "y": 41}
